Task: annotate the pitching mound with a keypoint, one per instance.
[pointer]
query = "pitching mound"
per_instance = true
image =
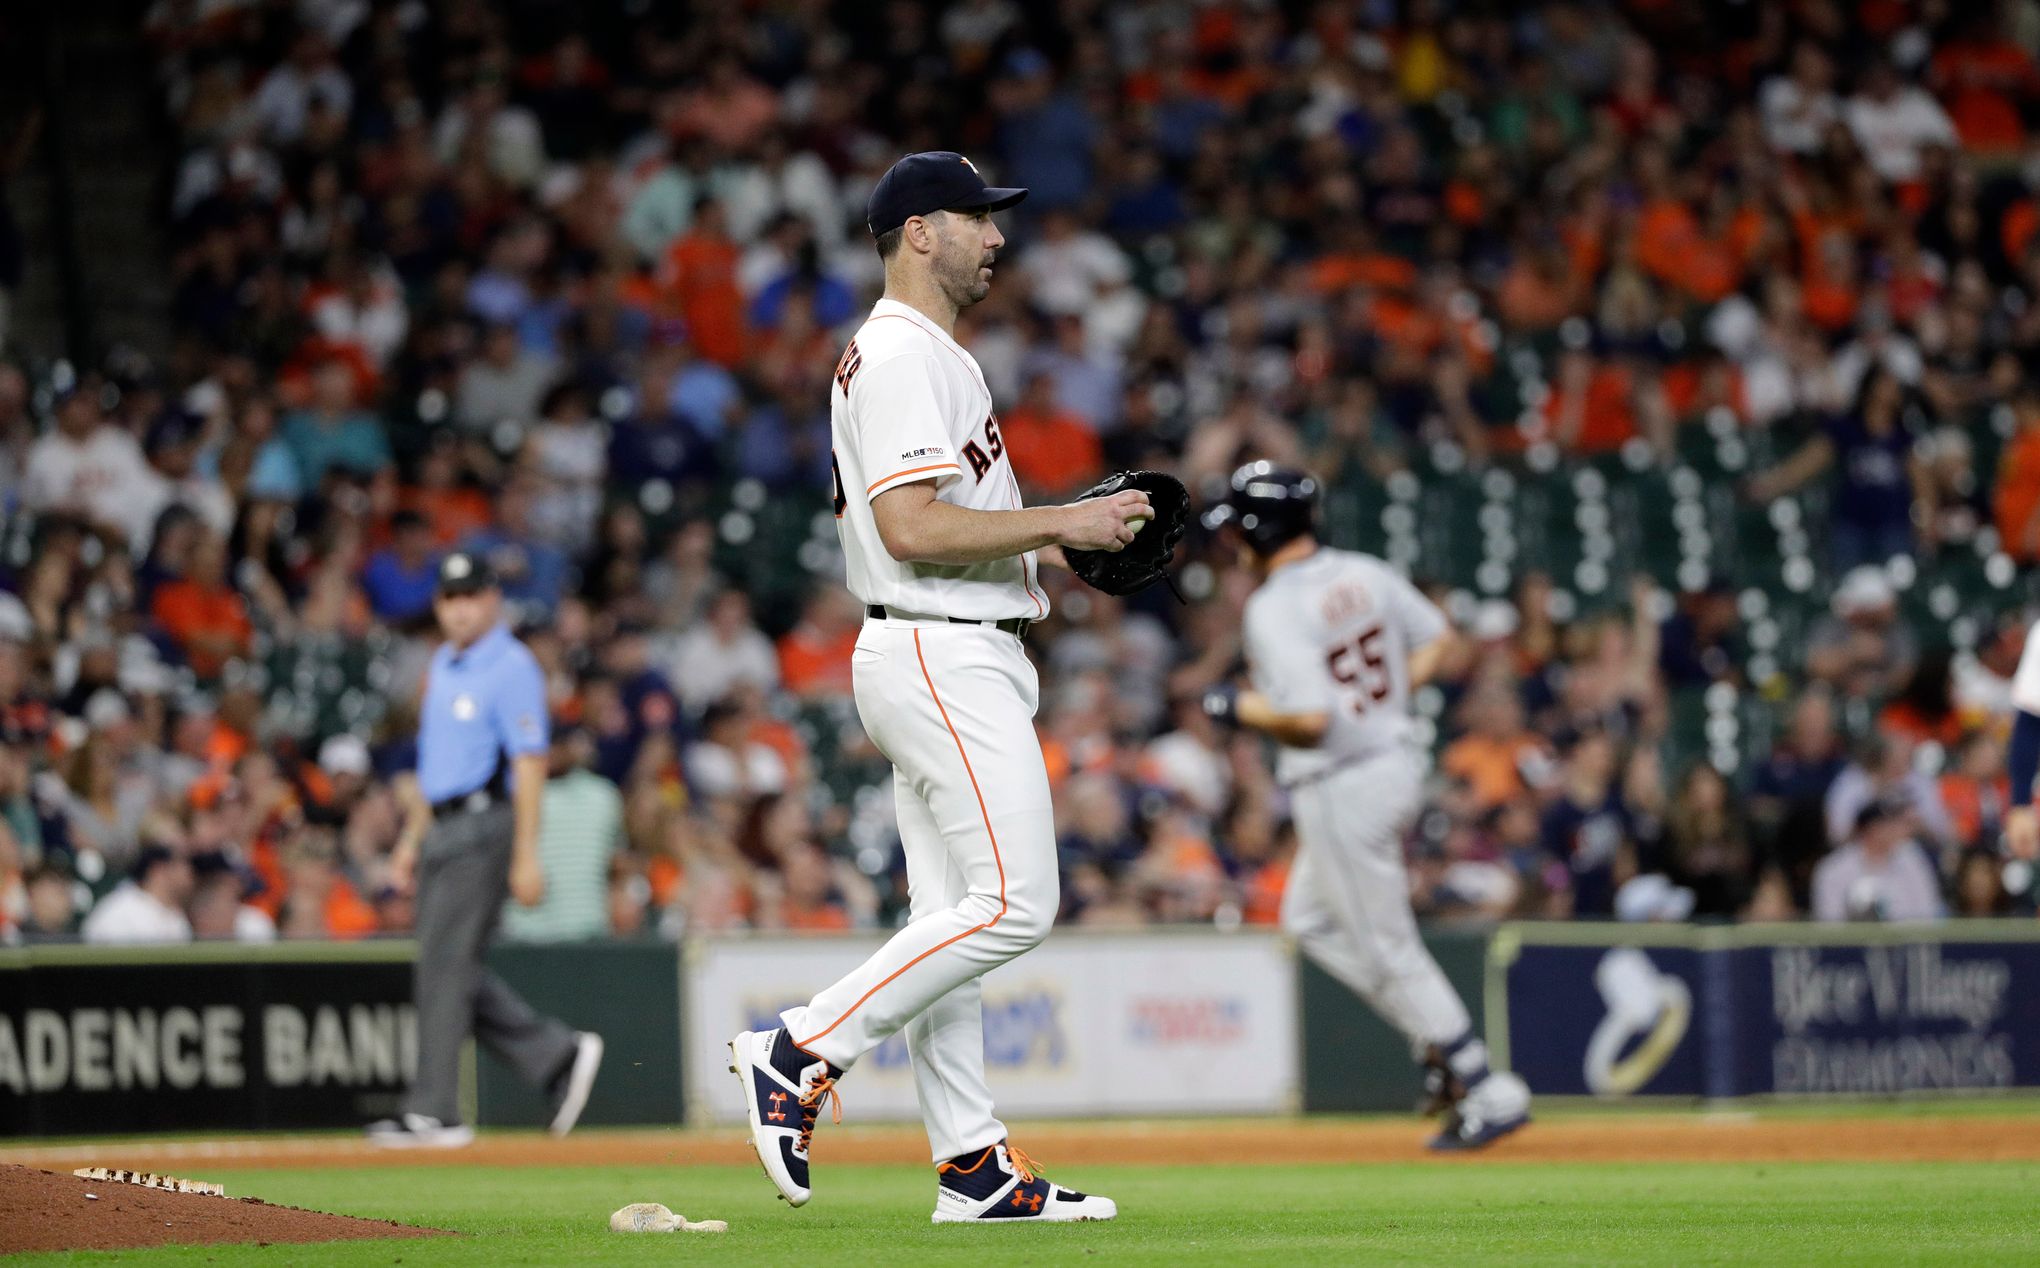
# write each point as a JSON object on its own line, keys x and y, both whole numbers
{"x": 40, "y": 1210}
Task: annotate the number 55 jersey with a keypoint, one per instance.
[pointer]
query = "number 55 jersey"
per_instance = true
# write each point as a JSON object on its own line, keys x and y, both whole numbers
{"x": 1332, "y": 633}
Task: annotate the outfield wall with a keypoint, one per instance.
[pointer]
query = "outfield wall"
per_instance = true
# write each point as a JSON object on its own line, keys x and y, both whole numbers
{"x": 1724, "y": 1012}
{"x": 1095, "y": 1025}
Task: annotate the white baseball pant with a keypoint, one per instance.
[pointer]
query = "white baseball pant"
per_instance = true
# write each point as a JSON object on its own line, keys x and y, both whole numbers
{"x": 1348, "y": 900}
{"x": 952, "y": 707}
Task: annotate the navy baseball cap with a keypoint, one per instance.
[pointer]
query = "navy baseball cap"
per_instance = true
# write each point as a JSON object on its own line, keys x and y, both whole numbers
{"x": 936, "y": 180}
{"x": 465, "y": 573}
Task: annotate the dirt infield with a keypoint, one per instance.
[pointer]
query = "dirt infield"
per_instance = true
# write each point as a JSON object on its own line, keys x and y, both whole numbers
{"x": 1726, "y": 1137}
{"x": 40, "y": 1210}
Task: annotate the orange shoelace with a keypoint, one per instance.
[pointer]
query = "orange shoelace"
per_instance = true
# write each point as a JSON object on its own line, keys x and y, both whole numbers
{"x": 811, "y": 1104}
{"x": 1023, "y": 1166}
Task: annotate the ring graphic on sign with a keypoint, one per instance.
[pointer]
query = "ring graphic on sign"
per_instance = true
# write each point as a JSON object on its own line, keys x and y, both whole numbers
{"x": 1641, "y": 1001}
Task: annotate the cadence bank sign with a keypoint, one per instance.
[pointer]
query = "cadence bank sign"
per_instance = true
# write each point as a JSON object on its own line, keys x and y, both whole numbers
{"x": 100, "y": 1049}
{"x": 134, "y": 1046}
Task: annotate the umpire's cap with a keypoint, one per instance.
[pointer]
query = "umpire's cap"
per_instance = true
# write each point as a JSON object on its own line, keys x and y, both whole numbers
{"x": 935, "y": 180}
{"x": 464, "y": 572}
{"x": 1271, "y": 506}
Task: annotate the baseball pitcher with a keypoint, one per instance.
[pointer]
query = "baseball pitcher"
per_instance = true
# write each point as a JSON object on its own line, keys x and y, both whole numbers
{"x": 1336, "y": 641}
{"x": 2022, "y": 755}
{"x": 946, "y": 560}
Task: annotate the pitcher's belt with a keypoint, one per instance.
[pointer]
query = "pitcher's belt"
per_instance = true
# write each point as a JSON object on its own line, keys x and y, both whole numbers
{"x": 1015, "y": 625}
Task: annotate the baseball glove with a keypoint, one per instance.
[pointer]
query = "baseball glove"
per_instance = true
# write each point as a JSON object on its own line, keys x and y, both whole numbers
{"x": 1145, "y": 559}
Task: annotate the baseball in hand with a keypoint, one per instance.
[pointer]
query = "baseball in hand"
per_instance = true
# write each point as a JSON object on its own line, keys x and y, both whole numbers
{"x": 1136, "y": 525}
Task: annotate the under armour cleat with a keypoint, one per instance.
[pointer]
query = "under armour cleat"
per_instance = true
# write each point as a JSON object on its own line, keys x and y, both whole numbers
{"x": 784, "y": 1089}
{"x": 1002, "y": 1185}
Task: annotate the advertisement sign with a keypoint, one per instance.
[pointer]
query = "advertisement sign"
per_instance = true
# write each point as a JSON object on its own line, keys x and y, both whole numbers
{"x": 1844, "y": 1010}
{"x": 1874, "y": 1020}
{"x": 1605, "y": 1021}
{"x": 1086, "y": 1024}
{"x": 152, "y": 1041}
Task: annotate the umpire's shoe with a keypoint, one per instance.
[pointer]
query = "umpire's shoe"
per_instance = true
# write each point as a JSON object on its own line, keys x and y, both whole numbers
{"x": 783, "y": 1089}
{"x": 570, "y": 1087}
{"x": 1497, "y": 1106}
{"x": 1000, "y": 1184}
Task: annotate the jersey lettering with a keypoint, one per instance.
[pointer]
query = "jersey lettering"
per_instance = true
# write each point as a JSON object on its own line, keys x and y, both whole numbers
{"x": 836, "y": 477}
{"x": 1361, "y": 665}
{"x": 847, "y": 368}
{"x": 979, "y": 464}
{"x": 992, "y": 437}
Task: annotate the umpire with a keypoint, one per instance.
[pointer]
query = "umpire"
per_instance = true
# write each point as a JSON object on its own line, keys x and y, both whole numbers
{"x": 482, "y": 746}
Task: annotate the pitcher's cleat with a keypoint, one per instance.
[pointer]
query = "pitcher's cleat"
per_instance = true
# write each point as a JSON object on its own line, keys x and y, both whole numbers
{"x": 1000, "y": 1185}
{"x": 783, "y": 1090}
{"x": 1497, "y": 1106}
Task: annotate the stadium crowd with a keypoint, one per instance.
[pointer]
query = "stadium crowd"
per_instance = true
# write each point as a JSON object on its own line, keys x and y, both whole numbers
{"x": 565, "y": 285}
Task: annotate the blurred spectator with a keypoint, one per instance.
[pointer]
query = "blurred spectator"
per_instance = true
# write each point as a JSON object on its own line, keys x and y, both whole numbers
{"x": 580, "y": 829}
{"x": 1873, "y": 450}
{"x": 1976, "y": 791}
{"x": 204, "y": 616}
{"x": 533, "y": 573}
{"x": 1979, "y": 887}
{"x": 1589, "y": 828}
{"x": 814, "y": 656}
{"x": 723, "y": 651}
{"x": 1924, "y": 710}
{"x": 1498, "y": 757}
{"x": 149, "y": 905}
{"x": 1707, "y": 849}
{"x": 1880, "y": 874}
{"x": 216, "y": 910}
{"x": 1884, "y": 772}
{"x": 333, "y": 432}
{"x": 89, "y": 468}
{"x": 400, "y": 578}
{"x": 1054, "y": 452}
{"x": 728, "y": 763}
{"x": 52, "y": 911}
{"x": 1864, "y": 649}
{"x": 809, "y": 902}
{"x": 2017, "y": 501}
{"x": 504, "y": 384}
{"x": 1698, "y": 643}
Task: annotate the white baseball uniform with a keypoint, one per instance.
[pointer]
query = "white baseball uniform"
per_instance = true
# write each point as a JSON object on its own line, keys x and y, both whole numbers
{"x": 2026, "y": 678}
{"x": 952, "y": 706}
{"x": 1333, "y": 633}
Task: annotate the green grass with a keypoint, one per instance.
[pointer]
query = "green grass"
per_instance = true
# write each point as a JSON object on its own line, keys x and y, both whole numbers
{"x": 1811, "y": 1213}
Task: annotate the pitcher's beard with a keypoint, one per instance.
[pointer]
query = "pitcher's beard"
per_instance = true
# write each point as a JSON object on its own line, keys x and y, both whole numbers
{"x": 969, "y": 285}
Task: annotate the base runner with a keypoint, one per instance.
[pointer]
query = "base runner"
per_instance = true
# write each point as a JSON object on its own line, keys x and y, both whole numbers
{"x": 1336, "y": 642}
{"x": 939, "y": 549}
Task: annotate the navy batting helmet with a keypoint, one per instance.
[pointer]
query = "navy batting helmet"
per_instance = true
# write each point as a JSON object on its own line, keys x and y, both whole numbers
{"x": 1271, "y": 506}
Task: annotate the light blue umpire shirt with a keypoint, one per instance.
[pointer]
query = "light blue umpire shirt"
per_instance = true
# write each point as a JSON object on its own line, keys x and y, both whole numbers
{"x": 483, "y": 706}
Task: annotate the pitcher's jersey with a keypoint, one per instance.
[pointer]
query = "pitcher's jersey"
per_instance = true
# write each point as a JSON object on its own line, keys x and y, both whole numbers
{"x": 2026, "y": 679}
{"x": 910, "y": 404}
{"x": 1332, "y": 633}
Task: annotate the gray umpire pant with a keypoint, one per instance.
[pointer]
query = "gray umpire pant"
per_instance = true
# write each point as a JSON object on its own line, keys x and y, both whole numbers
{"x": 463, "y": 882}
